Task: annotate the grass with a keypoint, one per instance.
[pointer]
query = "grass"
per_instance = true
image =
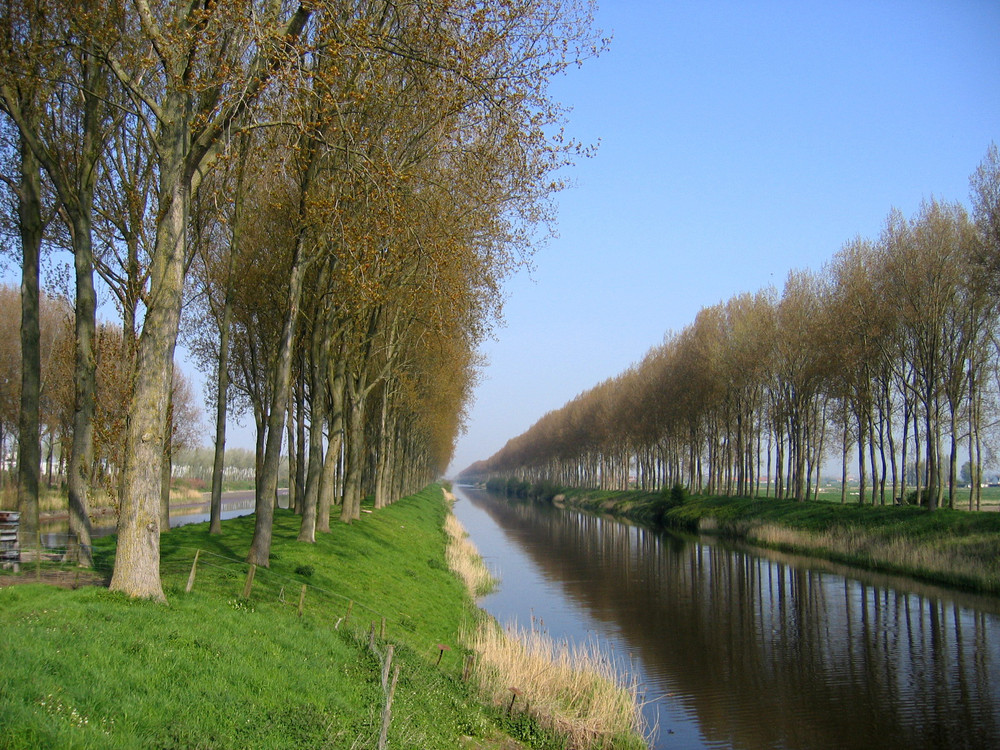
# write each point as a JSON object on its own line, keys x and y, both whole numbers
{"x": 464, "y": 559}
{"x": 55, "y": 499}
{"x": 953, "y": 547}
{"x": 575, "y": 691}
{"x": 88, "y": 668}
{"x": 572, "y": 689}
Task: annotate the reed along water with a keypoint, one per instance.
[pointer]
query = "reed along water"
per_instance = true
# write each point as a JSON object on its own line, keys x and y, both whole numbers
{"x": 743, "y": 648}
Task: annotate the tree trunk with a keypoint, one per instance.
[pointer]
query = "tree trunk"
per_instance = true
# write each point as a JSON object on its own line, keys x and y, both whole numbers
{"x": 267, "y": 486}
{"x": 319, "y": 366}
{"x": 300, "y": 446}
{"x": 222, "y": 398}
{"x": 165, "y": 469}
{"x": 332, "y": 462}
{"x": 292, "y": 455}
{"x": 328, "y": 478}
{"x": 843, "y": 465}
{"x": 85, "y": 389}
{"x": 384, "y": 452}
{"x": 953, "y": 461}
{"x": 29, "y": 206}
{"x": 310, "y": 501}
{"x": 137, "y": 562}
{"x": 354, "y": 437}
{"x": 933, "y": 441}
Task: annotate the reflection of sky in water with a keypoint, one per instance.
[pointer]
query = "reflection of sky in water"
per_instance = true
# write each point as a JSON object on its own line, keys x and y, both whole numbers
{"x": 746, "y": 649}
{"x": 528, "y": 591}
{"x": 54, "y": 533}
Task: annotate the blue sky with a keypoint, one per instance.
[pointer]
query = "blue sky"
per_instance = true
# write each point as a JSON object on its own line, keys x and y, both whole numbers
{"x": 738, "y": 141}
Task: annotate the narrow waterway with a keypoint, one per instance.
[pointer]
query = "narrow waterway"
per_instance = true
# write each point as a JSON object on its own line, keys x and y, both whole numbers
{"x": 739, "y": 648}
{"x": 235, "y": 503}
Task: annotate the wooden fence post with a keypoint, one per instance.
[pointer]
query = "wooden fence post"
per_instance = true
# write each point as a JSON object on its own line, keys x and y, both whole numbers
{"x": 386, "y": 665}
{"x": 194, "y": 567}
{"x": 249, "y": 584}
{"x": 387, "y": 711}
{"x": 302, "y": 599}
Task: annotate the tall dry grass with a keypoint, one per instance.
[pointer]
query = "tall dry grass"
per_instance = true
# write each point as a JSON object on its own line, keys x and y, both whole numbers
{"x": 972, "y": 558}
{"x": 463, "y": 558}
{"x": 572, "y": 689}
{"x": 54, "y": 500}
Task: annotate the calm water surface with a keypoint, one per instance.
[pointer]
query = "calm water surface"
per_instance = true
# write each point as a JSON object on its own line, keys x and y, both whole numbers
{"x": 746, "y": 649}
{"x": 237, "y": 503}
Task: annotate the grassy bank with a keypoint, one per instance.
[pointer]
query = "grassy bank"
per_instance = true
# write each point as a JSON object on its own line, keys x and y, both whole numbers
{"x": 572, "y": 690}
{"x": 953, "y": 547}
{"x": 87, "y": 668}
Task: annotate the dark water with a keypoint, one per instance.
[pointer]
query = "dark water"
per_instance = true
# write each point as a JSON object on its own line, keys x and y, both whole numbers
{"x": 744, "y": 649}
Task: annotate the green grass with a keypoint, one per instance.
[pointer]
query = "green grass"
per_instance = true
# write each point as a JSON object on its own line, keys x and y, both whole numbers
{"x": 92, "y": 669}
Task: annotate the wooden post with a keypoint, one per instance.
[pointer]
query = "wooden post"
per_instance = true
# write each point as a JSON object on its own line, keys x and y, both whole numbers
{"x": 249, "y": 584}
{"x": 381, "y": 632}
{"x": 302, "y": 599}
{"x": 387, "y": 711}
{"x": 350, "y": 607}
{"x": 371, "y": 637}
{"x": 386, "y": 665}
{"x": 194, "y": 567}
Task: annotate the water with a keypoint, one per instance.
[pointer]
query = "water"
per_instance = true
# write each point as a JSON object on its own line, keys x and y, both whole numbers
{"x": 737, "y": 648}
{"x": 238, "y": 503}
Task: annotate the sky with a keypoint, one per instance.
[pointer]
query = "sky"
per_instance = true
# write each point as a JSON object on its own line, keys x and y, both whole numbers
{"x": 737, "y": 141}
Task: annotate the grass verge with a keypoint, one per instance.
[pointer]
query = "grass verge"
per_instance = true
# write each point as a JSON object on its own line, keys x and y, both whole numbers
{"x": 88, "y": 668}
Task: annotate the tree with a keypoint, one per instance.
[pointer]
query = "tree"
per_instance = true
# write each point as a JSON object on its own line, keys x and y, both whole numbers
{"x": 985, "y": 184}
{"x": 204, "y": 69}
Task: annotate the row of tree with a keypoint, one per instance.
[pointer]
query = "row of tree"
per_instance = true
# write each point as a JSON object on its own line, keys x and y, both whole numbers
{"x": 887, "y": 356}
{"x": 332, "y": 192}
{"x": 56, "y": 394}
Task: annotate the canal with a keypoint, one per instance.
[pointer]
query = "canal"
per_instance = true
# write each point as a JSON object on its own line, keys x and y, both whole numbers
{"x": 740, "y": 648}
{"x": 234, "y": 503}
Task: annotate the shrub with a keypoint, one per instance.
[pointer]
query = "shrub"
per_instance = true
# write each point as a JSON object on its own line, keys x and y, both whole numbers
{"x": 518, "y": 488}
{"x": 912, "y": 499}
{"x": 545, "y": 490}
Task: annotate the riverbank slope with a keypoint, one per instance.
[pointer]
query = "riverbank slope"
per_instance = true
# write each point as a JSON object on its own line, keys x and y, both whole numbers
{"x": 952, "y": 547}
{"x": 300, "y": 662}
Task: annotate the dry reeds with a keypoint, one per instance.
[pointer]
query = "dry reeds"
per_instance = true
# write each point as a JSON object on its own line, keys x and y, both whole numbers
{"x": 973, "y": 558}
{"x": 463, "y": 558}
{"x": 572, "y": 689}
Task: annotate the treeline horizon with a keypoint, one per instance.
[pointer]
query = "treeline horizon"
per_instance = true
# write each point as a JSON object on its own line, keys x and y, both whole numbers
{"x": 889, "y": 357}
{"x": 56, "y": 398}
{"x": 323, "y": 199}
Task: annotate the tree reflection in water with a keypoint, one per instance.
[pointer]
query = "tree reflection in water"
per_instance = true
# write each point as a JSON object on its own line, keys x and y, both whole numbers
{"x": 761, "y": 649}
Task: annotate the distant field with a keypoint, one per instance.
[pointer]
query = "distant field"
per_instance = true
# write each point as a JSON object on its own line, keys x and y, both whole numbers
{"x": 990, "y": 496}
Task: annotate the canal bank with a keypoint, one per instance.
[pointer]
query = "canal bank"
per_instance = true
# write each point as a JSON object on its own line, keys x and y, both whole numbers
{"x": 304, "y": 653}
{"x": 292, "y": 658}
{"x": 951, "y": 547}
{"x": 742, "y": 647}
